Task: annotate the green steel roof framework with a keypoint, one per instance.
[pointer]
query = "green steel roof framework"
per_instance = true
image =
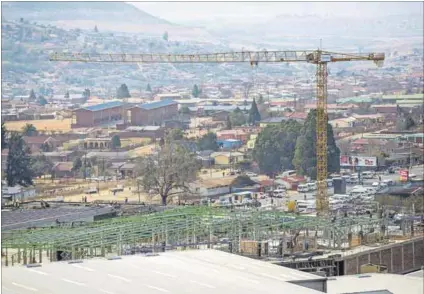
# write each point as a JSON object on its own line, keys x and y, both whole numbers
{"x": 178, "y": 226}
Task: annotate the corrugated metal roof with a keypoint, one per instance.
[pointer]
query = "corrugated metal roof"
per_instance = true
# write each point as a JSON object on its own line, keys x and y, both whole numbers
{"x": 103, "y": 106}
{"x": 157, "y": 104}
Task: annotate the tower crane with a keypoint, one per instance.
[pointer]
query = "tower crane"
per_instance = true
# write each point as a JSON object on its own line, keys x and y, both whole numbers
{"x": 318, "y": 57}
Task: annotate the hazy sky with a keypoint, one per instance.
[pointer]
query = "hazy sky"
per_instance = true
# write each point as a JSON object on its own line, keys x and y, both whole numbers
{"x": 189, "y": 12}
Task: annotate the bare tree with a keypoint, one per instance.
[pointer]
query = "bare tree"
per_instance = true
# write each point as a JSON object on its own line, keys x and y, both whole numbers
{"x": 169, "y": 172}
{"x": 247, "y": 88}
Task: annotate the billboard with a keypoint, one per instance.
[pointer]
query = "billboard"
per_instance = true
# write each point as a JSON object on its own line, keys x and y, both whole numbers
{"x": 404, "y": 174}
{"x": 346, "y": 160}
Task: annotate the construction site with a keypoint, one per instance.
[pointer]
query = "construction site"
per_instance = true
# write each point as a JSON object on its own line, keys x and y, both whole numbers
{"x": 331, "y": 246}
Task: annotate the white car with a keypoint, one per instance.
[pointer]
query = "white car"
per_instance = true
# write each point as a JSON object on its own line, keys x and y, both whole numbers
{"x": 251, "y": 175}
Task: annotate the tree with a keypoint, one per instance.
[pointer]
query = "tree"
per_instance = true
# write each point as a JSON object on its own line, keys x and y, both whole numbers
{"x": 148, "y": 88}
{"x": 254, "y": 115}
{"x": 168, "y": 173}
{"x": 305, "y": 160}
{"x": 29, "y": 130}
{"x": 261, "y": 99}
{"x": 96, "y": 30}
{"x": 116, "y": 142}
{"x": 237, "y": 117}
{"x": 41, "y": 100}
{"x": 67, "y": 95}
{"x": 208, "y": 142}
{"x": 185, "y": 110}
{"x": 174, "y": 135}
{"x": 77, "y": 165}
{"x": 46, "y": 147}
{"x": 165, "y": 36}
{"x": 86, "y": 94}
{"x": 229, "y": 125}
{"x": 32, "y": 96}
{"x": 275, "y": 147}
{"x": 123, "y": 92}
{"x": 41, "y": 165}
{"x": 195, "y": 92}
{"x": 18, "y": 169}
{"x": 3, "y": 136}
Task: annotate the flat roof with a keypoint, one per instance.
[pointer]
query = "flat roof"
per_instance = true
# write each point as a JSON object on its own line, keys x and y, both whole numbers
{"x": 103, "y": 106}
{"x": 396, "y": 284}
{"x": 177, "y": 272}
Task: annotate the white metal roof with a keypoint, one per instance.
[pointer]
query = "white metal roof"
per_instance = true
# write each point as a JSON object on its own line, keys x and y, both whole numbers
{"x": 187, "y": 272}
{"x": 396, "y": 284}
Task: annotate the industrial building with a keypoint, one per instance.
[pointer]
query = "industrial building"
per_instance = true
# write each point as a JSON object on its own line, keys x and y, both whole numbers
{"x": 154, "y": 113}
{"x": 97, "y": 115}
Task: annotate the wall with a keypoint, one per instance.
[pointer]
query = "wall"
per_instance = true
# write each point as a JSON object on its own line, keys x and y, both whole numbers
{"x": 399, "y": 258}
{"x": 141, "y": 116}
{"x": 84, "y": 117}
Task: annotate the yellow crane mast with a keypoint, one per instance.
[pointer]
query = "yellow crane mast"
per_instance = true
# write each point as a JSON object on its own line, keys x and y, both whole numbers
{"x": 319, "y": 57}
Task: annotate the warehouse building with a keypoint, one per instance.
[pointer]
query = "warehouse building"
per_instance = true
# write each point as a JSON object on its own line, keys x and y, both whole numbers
{"x": 154, "y": 113}
{"x": 97, "y": 115}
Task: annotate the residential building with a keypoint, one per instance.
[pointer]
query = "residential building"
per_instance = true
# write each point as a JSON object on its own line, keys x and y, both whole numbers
{"x": 227, "y": 158}
{"x": 252, "y": 141}
{"x": 154, "y": 113}
{"x": 63, "y": 170}
{"x": 233, "y": 134}
{"x": 35, "y": 142}
{"x": 213, "y": 187}
{"x": 169, "y": 96}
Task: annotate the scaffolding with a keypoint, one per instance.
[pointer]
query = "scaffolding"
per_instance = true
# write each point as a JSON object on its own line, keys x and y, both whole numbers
{"x": 186, "y": 227}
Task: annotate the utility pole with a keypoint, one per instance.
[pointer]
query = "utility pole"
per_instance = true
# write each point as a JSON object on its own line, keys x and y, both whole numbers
{"x": 138, "y": 190}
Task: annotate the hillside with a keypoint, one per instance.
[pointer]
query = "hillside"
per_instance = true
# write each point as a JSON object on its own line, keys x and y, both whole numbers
{"x": 107, "y": 16}
{"x": 77, "y": 11}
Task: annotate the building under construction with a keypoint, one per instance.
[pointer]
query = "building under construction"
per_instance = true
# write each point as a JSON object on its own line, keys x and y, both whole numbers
{"x": 336, "y": 246}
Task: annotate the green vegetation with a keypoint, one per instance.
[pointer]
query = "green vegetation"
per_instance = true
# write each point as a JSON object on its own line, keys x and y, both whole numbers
{"x": 29, "y": 130}
{"x": 304, "y": 159}
{"x": 275, "y": 147}
{"x": 208, "y": 142}
{"x": 116, "y": 142}
{"x": 123, "y": 92}
{"x": 3, "y": 136}
{"x": 254, "y": 115}
{"x": 196, "y": 91}
{"x": 237, "y": 118}
{"x": 148, "y": 88}
{"x": 18, "y": 168}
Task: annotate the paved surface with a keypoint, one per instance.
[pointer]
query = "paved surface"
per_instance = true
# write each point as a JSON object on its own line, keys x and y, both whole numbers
{"x": 188, "y": 272}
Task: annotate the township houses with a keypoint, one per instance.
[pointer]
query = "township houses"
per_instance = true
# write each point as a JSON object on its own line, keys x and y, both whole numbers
{"x": 35, "y": 142}
{"x": 96, "y": 115}
{"x": 227, "y": 158}
{"x": 233, "y": 134}
{"x": 154, "y": 113}
{"x": 213, "y": 187}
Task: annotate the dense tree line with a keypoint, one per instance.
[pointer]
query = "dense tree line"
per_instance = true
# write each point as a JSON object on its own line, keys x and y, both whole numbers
{"x": 291, "y": 145}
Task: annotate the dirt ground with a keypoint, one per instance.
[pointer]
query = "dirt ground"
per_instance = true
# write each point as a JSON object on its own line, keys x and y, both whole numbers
{"x": 41, "y": 125}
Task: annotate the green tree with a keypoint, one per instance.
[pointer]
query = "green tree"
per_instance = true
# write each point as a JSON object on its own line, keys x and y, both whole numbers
{"x": 116, "y": 142}
{"x": 67, "y": 95}
{"x": 168, "y": 173}
{"x": 174, "y": 135}
{"x": 96, "y": 30}
{"x": 208, "y": 142}
{"x": 184, "y": 110}
{"x": 305, "y": 160}
{"x": 18, "y": 168}
{"x": 46, "y": 147}
{"x": 29, "y": 130}
{"x": 86, "y": 94}
{"x": 32, "y": 96}
{"x": 229, "y": 125}
{"x": 76, "y": 165}
{"x": 261, "y": 99}
{"x": 41, "y": 165}
{"x": 123, "y": 92}
{"x": 254, "y": 115}
{"x": 3, "y": 136}
{"x": 195, "y": 92}
{"x": 275, "y": 147}
{"x": 41, "y": 100}
{"x": 237, "y": 117}
{"x": 148, "y": 88}
{"x": 165, "y": 36}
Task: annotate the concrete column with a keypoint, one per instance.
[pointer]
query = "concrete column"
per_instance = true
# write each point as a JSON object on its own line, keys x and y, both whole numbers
{"x": 403, "y": 264}
{"x": 413, "y": 254}
{"x": 391, "y": 259}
